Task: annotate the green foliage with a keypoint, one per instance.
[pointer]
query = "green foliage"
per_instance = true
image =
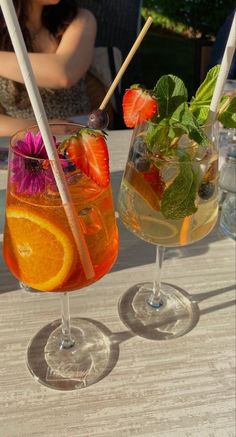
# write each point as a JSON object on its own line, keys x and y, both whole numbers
{"x": 200, "y": 17}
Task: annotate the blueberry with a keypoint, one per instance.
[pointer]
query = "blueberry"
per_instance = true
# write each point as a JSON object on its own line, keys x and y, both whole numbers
{"x": 138, "y": 155}
{"x": 206, "y": 190}
{"x": 98, "y": 119}
{"x": 141, "y": 164}
{"x": 137, "y": 150}
{"x": 139, "y": 146}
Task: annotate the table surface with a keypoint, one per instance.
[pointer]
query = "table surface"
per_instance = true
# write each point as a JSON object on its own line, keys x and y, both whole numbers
{"x": 181, "y": 387}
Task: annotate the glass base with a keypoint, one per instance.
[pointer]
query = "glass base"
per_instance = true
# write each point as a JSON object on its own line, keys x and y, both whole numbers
{"x": 91, "y": 358}
{"x": 176, "y": 316}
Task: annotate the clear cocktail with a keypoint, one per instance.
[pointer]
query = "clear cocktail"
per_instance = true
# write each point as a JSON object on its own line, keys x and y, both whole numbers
{"x": 155, "y": 193}
{"x": 168, "y": 194}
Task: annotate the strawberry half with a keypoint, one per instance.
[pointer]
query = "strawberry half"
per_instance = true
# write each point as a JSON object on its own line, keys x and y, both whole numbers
{"x": 88, "y": 150}
{"x": 138, "y": 106}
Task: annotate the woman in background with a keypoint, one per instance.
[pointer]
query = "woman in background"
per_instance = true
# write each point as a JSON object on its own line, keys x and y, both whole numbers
{"x": 60, "y": 40}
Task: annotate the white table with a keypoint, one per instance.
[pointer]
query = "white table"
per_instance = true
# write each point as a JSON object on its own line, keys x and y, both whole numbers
{"x": 179, "y": 388}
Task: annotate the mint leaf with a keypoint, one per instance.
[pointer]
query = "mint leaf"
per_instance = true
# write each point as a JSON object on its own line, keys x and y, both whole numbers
{"x": 199, "y": 105}
{"x": 157, "y": 137}
{"x": 228, "y": 117}
{"x": 205, "y": 91}
{"x": 201, "y": 113}
{"x": 160, "y": 136}
{"x": 170, "y": 92}
{"x": 185, "y": 120}
{"x": 179, "y": 198}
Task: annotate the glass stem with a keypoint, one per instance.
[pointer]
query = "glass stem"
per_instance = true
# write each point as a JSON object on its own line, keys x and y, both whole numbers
{"x": 67, "y": 340}
{"x": 155, "y": 299}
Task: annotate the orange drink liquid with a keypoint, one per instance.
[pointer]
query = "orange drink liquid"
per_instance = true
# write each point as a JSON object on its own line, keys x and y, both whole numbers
{"x": 39, "y": 247}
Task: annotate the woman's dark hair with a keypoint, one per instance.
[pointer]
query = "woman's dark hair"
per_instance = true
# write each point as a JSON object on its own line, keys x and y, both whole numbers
{"x": 55, "y": 18}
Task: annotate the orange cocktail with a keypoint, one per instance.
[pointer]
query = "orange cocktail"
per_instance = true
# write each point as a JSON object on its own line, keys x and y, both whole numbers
{"x": 39, "y": 247}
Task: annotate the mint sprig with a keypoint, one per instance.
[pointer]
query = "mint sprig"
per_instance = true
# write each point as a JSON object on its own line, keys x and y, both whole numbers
{"x": 177, "y": 117}
{"x": 174, "y": 118}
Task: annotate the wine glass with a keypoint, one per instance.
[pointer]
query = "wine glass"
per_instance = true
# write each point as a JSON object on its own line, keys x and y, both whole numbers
{"x": 40, "y": 250}
{"x": 169, "y": 201}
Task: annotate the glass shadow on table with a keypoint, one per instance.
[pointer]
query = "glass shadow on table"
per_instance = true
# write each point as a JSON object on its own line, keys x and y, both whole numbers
{"x": 172, "y": 327}
{"x": 83, "y": 379}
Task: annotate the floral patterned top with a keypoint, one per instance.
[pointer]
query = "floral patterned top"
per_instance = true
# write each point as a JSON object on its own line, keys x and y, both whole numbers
{"x": 58, "y": 103}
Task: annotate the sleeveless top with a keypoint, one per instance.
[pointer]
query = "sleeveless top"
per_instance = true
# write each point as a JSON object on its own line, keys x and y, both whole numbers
{"x": 58, "y": 103}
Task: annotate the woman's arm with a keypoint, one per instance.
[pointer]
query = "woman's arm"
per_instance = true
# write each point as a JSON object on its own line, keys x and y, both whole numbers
{"x": 67, "y": 65}
{"x": 10, "y": 125}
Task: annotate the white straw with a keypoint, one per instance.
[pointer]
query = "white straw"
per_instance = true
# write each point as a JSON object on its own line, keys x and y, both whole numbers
{"x": 224, "y": 71}
{"x": 40, "y": 115}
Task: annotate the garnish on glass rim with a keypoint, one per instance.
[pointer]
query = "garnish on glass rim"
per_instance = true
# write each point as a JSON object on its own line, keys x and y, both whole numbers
{"x": 31, "y": 176}
{"x": 138, "y": 106}
{"x": 88, "y": 150}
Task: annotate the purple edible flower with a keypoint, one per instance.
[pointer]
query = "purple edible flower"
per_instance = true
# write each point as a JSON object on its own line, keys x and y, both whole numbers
{"x": 31, "y": 176}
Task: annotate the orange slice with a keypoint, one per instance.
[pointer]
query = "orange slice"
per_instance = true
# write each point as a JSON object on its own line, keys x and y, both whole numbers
{"x": 142, "y": 187}
{"x": 184, "y": 230}
{"x": 37, "y": 250}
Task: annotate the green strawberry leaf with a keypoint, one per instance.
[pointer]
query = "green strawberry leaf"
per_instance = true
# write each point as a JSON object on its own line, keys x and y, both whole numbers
{"x": 170, "y": 92}
{"x": 179, "y": 198}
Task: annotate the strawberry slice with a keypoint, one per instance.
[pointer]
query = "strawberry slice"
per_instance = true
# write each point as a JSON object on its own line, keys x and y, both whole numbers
{"x": 154, "y": 179}
{"x": 88, "y": 150}
{"x": 138, "y": 106}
